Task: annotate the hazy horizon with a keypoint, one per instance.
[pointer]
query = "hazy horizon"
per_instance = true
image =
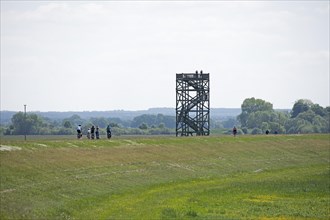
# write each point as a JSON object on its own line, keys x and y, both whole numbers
{"x": 110, "y": 110}
{"x": 112, "y": 55}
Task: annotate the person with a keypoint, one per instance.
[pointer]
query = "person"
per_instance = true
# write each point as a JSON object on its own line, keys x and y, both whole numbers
{"x": 234, "y": 131}
{"x": 79, "y": 134}
{"x": 97, "y": 132}
{"x": 109, "y": 131}
{"x": 93, "y": 131}
{"x": 89, "y": 133}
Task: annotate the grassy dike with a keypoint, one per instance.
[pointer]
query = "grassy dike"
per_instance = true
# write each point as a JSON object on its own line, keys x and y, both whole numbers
{"x": 216, "y": 177}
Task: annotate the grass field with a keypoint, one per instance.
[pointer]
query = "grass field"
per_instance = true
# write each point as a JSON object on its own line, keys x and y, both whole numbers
{"x": 216, "y": 177}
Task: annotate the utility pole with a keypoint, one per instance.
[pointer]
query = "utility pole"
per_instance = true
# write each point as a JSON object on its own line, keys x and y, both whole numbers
{"x": 24, "y": 122}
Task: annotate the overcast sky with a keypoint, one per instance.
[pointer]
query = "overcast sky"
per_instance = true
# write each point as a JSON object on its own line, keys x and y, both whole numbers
{"x": 108, "y": 55}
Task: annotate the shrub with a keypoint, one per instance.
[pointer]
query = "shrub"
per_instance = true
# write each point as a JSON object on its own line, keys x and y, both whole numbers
{"x": 256, "y": 131}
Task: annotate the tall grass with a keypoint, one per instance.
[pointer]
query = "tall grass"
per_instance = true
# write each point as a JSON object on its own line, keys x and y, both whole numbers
{"x": 248, "y": 177}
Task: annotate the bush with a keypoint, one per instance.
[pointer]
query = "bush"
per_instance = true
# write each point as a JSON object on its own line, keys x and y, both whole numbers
{"x": 307, "y": 129}
{"x": 245, "y": 130}
{"x": 256, "y": 131}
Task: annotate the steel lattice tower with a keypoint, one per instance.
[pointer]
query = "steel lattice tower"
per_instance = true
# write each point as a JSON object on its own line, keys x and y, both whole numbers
{"x": 192, "y": 104}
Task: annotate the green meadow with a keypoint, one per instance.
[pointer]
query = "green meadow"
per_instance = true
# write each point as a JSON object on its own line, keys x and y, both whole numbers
{"x": 215, "y": 177}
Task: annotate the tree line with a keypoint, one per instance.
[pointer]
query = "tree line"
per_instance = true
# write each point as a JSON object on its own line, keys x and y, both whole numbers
{"x": 33, "y": 124}
{"x": 257, "y": 116}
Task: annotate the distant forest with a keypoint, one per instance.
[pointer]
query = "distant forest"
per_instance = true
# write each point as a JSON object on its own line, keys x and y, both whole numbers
{"x": 218, "y": 113}
{"x": 151, "y": 121}
{"x": 256, "y": 116}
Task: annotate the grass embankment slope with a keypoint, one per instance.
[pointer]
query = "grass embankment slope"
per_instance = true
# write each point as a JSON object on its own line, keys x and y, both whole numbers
{"x": 248, "y": 177}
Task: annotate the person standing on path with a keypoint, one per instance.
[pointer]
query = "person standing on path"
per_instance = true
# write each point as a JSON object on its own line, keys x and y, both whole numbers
{"x": 234, "y": 131}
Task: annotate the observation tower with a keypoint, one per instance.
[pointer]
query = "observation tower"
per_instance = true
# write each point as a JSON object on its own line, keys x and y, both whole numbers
{"x": 192, "y": 104}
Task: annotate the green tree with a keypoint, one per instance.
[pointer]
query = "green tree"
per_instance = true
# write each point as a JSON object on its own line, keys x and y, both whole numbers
{"x": 75, "y": 120}
{"x": 319, "y": 110}
{"x": 19, "y": 123}
{"x": 264, "y": 126}
{"x": 154, "y": 120}
{"x": 67, "y": 124}
{"x": 29, "y": 124}
{"x": 161, "y": 126}
{"x": 252, "y": 105}
{"x": 243, "y": 119}
{"x": 145, "y": 118}
{"x": 299, "y": 125}
{"x": 327, "y": 109}
{"x": 114, "y": 125}
{"x": 101, "y": 122}
{"x": 321, "y": 124}
{"x": 255, "y": 119}
{"x": 302, "y": 105}
{"x": 245, "y": 130}
{"x": 276, "y": 127}
{"x": 143, "y": 126}
{"x": 256, "y": 131}
{"x": 308, "y": 115}
{"x": 259, "y": 114}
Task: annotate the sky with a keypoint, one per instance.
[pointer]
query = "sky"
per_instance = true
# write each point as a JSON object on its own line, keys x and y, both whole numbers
{"x": 124, "y": 55}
